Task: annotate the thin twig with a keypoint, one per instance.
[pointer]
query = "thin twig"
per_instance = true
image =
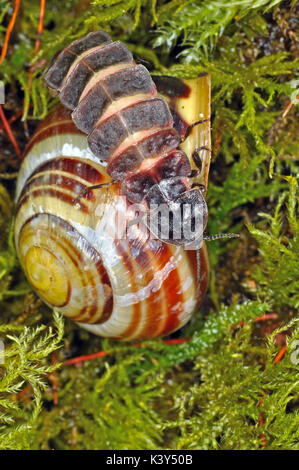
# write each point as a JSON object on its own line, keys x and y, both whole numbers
{"x": 16, "y": 116}
{"x": 9, "y": 30}
{"x": 13, "y": 118}
{"x": 278, "y": 358}
{"x": 88, "y": 357}
{"x": 36, "y": 49}
{"x": 9, "y": 132}
{"x": 280, "y": 354}
{"x": 289, "y": 106}
{"x": 40, "y": 25}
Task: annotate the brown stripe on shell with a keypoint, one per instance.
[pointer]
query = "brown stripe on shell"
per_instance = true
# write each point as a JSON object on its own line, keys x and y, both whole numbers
{"x": 58, "y": 181}
{"x": 122, "y": 249}
{"x": 53, "y": 193}
{"x": 67, "y": 127}
{"x": 86, "y": 278}
{"x": 74, "y": 166}
{"x": 107, "y": 310}
{"x": 55, "y": 118}
{"x": 174, "y": 298}
{"x": 155, "y": 303}
{"x": 204, "y": 270}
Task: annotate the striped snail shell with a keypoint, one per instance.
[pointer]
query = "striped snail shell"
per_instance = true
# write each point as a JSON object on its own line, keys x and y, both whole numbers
{"x": 130, "y": 288}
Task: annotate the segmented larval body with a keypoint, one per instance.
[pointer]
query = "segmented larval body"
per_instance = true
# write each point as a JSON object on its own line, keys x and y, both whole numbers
{"x": 115, "y": 102}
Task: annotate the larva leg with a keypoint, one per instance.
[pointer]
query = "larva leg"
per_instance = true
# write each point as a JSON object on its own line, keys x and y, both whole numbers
{"x": 90, "y": 188}
{"x": 196, "y": 158}
{"x": 200, "y": 186}
{"x": 137, "y": 220}
{"x": 189, "y": 129}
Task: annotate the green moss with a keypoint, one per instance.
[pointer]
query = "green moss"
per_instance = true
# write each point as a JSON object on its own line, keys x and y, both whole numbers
{"x": 209, "y": 392}
{"x": 23, "y": 365}
{"x": 221, "y": 409}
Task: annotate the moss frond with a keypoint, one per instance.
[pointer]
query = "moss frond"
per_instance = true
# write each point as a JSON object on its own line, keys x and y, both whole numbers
{"x": 278, "y": 274}
{"x": 23, "y": 365}
{"x": 238, "y": 383}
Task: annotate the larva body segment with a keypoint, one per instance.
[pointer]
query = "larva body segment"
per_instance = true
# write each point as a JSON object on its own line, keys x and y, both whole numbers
{"x": 123, "y": 83}
{"x": 97, "y": 61}
{"x": 63, "y": 60}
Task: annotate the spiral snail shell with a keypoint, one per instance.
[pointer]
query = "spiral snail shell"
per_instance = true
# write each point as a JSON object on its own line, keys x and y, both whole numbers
{"x": 129, "y": 288}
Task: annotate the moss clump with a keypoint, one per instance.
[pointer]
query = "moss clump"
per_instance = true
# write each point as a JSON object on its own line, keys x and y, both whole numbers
{"x": 224, "y": 388}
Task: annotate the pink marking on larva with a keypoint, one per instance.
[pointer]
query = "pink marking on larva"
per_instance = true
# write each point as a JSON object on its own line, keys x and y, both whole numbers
{"x": 123, "y": 103}
{"x": 76, "y": 61}
{"x": 133, "y": 139}
{"x": 99, "y": 76}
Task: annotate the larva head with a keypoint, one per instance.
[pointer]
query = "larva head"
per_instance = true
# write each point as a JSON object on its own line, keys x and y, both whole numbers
{"x": 176, "y": 215}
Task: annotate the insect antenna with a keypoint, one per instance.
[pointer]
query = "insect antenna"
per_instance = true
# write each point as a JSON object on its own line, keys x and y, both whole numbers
{"x": 208, "y": 239}
{"x": 198, "y": 265}
{"x": 221, "y": 235}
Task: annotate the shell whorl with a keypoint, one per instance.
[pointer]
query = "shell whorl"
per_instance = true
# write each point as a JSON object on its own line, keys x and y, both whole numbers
{"x": 127, "y": 289}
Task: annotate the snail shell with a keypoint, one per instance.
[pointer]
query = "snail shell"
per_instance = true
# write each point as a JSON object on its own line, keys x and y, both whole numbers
{"x": 128, "y": 288}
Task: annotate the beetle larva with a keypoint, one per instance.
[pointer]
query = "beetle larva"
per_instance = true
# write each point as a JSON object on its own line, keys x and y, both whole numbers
{"x": 115, "y": 102}
{"x": 130, "y": 288}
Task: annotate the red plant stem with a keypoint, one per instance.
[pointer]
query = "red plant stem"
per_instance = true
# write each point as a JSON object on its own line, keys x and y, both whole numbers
{"x": 261, "y": 418}
{"x": 280, "y": 354}
{"x": 9, "y": 132}
{"x": 13, "y": 118}
{"x": 88, "y": 357}
{"x": 79, "y": 359}
{"x": 40, "y": 25}
{"x": 289, "y": 106}
{"x": 9, "y": 30}
{"x": 268, "y": 316}
{"x": 36, "y": 49}
{"x": 22, "y": 394}
{"x": 176, "y": 341}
